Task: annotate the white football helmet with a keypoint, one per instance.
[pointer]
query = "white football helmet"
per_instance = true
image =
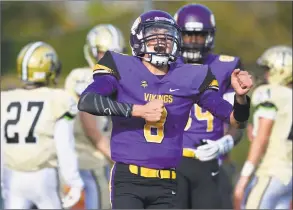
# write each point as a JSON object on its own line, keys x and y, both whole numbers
{"x": 278, "y": 60}
{"x": 101, "y": 38}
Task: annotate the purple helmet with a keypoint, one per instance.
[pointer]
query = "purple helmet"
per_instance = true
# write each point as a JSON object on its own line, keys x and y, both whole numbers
{"x": 155, "y": 34}
{"x": 196, "y": 19}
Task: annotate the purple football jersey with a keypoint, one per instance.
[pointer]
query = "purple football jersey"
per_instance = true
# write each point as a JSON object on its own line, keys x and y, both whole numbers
{"x": 154, "y": 145}
{"x": 202, "y": 124}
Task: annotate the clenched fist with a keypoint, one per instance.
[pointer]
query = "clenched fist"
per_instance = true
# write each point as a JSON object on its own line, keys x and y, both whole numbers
{"x": 151, "y": 112}
{"x": 241, "y": 82}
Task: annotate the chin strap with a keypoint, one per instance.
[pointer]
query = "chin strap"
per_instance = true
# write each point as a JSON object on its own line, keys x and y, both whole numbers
{"x": 157, "y": 60}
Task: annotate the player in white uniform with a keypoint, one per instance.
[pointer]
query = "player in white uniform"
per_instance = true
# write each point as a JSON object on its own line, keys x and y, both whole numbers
{"x": 249, "y": 128}
{"x": 271, "y": 186}
{"x": 92, "y": 133}
{"x": 37, "y": 129}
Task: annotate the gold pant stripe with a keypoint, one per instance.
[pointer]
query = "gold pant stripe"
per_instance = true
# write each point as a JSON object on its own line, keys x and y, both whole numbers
{"x": 188, "y": 153}
{"x": 257, "y": 192}
{"x": 152, "y": 173}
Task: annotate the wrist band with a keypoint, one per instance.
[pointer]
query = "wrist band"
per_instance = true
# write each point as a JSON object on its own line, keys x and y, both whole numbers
{"x": 241, "y": 111}
{"x": 247, "y": 169}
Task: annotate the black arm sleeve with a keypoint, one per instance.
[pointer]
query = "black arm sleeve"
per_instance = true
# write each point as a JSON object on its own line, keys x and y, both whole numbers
{"x": 99, "y": 105}
{"x": 241, "y": 111}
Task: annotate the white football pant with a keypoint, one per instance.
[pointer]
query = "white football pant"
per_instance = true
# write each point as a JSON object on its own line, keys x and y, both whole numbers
{"x": 23, "y": 189}
{"x": 267, "y": 192}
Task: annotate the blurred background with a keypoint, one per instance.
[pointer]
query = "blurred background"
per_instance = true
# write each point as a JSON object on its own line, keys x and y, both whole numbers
{"x": 244, "y": 29}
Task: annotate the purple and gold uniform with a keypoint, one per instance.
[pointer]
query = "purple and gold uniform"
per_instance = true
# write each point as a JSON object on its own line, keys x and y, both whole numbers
{"x": 154, "y": 145}
{"x": 199, "y": 182}
{"x": 146, "y": 154}
{"x": 202, "y": 124}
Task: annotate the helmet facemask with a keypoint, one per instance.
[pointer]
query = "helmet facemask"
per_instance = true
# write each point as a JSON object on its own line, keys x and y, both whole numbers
{"x": 196, "y": 45}
{"x": 159, "y": 42}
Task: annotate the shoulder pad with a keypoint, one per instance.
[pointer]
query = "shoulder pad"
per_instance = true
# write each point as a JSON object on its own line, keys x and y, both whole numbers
{"x": 106, "y": 65}
{"x": 120, "y": 53}
{"x": 77, "y": 81}
{"x": 226, "y": 58}
{"x": 209, "y": 82}
{"x": 80, "y": 73}
{"x": 98, "y": 68}
{"x": 67, "y": 105}
{"x": 260, "y": 95}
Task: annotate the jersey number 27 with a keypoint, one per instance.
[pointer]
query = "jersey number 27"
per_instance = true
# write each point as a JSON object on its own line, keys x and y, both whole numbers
{"x": 30, "y": 138}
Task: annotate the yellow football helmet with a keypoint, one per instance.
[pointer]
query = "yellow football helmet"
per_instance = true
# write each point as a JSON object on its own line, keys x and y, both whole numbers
{"x": 101, "y": 38}
{"x": 278, "y": 60}
{"x": 38, "y": 63}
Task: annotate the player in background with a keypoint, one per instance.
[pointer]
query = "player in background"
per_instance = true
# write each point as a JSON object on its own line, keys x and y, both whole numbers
{"x": 149, "y": 97}
{"x": 271, "y": 148}
{"x": 37, "y": 128}
{"x": 92, "y": 133}
{"x": 249, "y": 128}
{"x": 198, "y": 179}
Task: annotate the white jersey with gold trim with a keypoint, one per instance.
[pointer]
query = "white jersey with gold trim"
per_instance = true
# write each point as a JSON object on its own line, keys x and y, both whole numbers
{"x": 28, "y": 117}
{"x": 89, "y": 157}
{"x": 275, "y": 102}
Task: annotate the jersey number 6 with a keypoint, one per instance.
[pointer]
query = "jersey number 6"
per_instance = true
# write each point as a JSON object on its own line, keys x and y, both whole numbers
{"x": 154, "y": 131}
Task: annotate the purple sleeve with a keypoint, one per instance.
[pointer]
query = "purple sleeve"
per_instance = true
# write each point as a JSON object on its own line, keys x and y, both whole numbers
{"x": 104, "y": 85}
{"x": 229, "y": 87}
{"x": 229, "y": 90}
{"x": 215, "y": 104}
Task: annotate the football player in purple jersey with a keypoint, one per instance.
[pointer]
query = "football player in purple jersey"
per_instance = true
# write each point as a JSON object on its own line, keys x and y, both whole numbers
{"x": 149, "y": 96}
{"x": 199, "y": 179}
